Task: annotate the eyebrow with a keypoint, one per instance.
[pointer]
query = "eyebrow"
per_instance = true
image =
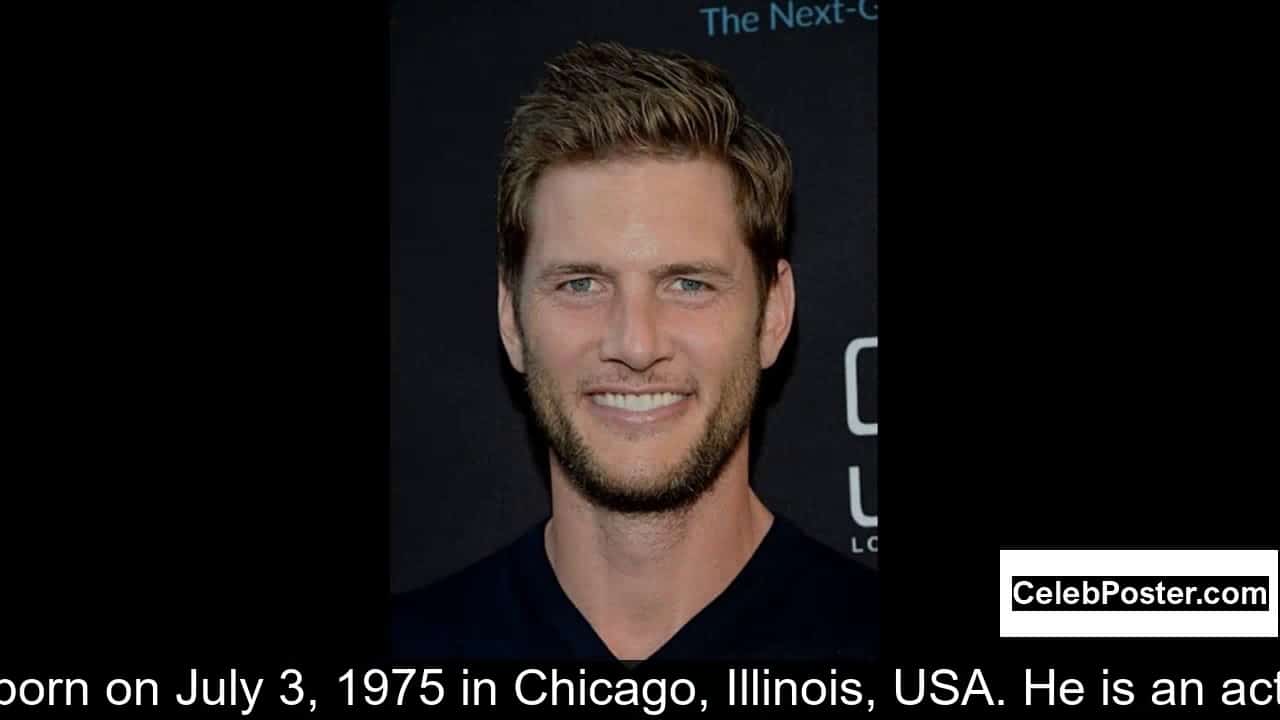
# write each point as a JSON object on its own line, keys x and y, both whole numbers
{"x": 662, "y": 271}
{"x": 557, "y": 269}
{"x": 697, "y": 268}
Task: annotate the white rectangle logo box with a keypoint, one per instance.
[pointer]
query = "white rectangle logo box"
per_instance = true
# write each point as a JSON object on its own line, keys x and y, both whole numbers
{"x": 1222, "y": 622}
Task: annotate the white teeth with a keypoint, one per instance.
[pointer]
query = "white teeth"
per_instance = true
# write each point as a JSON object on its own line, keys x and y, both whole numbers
{"x": 637, "y": 403}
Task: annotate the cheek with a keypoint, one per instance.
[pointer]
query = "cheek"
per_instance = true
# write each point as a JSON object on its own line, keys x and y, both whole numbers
{"x": 561, "y": 344}
{"x": 723, "y": 334}
{"x": 711, "y": 353}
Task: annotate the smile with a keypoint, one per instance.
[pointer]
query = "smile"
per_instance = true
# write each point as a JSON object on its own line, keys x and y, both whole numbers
{"x": 637, "y": 403}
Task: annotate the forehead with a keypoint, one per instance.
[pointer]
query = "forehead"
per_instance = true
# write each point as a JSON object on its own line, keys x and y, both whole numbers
{"x": 635, "y": 209}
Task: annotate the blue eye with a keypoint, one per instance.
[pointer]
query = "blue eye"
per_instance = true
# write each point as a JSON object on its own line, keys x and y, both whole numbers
{"x": 690, "y": 286}
{"x": 579, "y": 286}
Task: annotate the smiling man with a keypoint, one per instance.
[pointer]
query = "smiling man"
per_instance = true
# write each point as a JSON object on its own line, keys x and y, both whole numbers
{"x": 643, "y": 289}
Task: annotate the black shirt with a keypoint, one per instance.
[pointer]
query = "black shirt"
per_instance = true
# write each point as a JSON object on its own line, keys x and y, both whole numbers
{"x": 795, "y": 599}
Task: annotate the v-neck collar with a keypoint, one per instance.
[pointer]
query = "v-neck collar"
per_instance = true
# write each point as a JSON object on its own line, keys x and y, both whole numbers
{"x": 704, "y": 630}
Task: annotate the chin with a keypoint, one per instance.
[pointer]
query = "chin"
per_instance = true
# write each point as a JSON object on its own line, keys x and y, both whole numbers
{"x": 649, "y": 456}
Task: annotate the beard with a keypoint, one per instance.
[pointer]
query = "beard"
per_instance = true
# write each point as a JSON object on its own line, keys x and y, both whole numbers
{"x": 665, "y": 489}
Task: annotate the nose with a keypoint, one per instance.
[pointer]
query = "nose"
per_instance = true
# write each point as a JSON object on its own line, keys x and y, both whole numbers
{"x": 634, "y": 336}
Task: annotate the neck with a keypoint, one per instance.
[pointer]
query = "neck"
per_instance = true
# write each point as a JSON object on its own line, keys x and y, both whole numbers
{"x": 639, "y": 578}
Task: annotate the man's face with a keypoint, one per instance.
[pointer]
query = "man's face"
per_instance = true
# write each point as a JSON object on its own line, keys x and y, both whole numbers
{"x": 640, "y": 330}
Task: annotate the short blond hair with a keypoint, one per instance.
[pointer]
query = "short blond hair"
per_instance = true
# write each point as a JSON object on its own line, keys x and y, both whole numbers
{"x": 603, "y": 100}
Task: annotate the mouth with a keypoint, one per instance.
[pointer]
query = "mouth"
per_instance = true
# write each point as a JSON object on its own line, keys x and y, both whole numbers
{"x": 643, "y": 402}
{"x": 632, "y": 410}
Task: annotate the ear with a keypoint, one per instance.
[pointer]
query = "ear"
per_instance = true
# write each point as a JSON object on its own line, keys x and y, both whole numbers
{"x": 780, "y": 305}
{"x": 508, "y": 326}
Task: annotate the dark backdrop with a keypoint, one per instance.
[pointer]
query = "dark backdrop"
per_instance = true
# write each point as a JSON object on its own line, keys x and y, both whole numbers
{"x": 1074, "y": 294}
{"x": 467, "y": 474}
